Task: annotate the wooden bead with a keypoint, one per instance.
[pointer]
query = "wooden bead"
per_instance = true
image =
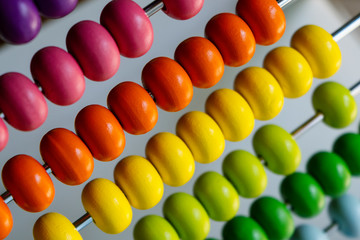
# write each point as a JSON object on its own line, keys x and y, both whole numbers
{"x": 67, "y": 156}
{"x": 52, "y": 67}
{"x": 261, "y": 91}
{"x": 55, "y": 8}
{"x": 134, "y": 107}
{"x": 171, "y": 158}
{"x": 202, "y": 135}
{"x": 101, "y": 132}
{"x": 266, "y": 19}
{"x": 182, "y": 9}
{"x": 129, "y": 25}
{"x": 24, "y": 106}
{"x": 107, "y": 205}
{"x": 154, "y": 227}
{"x": 168, "y": 82}
{"x": 201, "y": 60}
{"x": 28, "y": 182}
{"x": 319, "y": 49}
{"x": 139, "y": 181}
{"x": 94, "y": 49}
{"x": 232, "y": 113}
{"x": 243, "y": 228}
{"x": 6, "y": 220}
{"x": 52, "y": 226}
{"x": 347, "y": 147}
{"x": 291, "y": 70}
{"x": 305, "y": 232}
{"x": 4, "y": 135}
{"x": 233, "y": 37}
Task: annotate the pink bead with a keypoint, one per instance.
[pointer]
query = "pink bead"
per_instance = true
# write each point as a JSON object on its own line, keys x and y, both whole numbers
{"x": 4, "y": 135}
{"x": 59, "y": 75}
{"x": 24, "y": 106}
{"x": 130, "y": 27}
{"x": 182, "y": 9}
{"x": 94, "y": 49}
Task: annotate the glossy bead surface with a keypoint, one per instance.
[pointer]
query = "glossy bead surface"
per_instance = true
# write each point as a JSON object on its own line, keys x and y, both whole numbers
{"x": 305, "y": 232}
{"x": 282, "y": 156}
{"x": 94, "y": 49}
{"x": 319, "y": 48}
{"x": 232, "y": 113}
{"x": 101, "y": 132}
{"x": 154, "y": 227}
{"x": 187, "y": 215}
{"x": 59, "y": 75}
{"x": 336, "y": 103}
{"x": 130, "y": 27}
{"x": 133, "y": 107}
{"x": 171, "y": 158}
{"x": 243, "y": 228}
{"x": 233, "y": 37}
{"x": 291, "y": 70}
{"x": 347, "y": 147}
{"x": 201, "y": 60}
{"x": 331, "y": 172}
{"x": 168, "y": 82}
{"x": 261, "y": 90}
{"x": 245, "y": 172}
{"x": 24, "y": 106}
{"x": 67, "y": 156}
{"x": 202, "y": 135}
{"x": 182, "y": 9}
{"x": 139, "y": 181}
{"x": 4, "y": 135}
{"x": 107, "y": 205}
{"x": 6, "y": 220}
{"x": 28, "y": 182}
{"x": 55, "y": 8}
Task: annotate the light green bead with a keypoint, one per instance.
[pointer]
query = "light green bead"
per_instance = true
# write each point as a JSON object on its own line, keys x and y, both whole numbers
{"x": 153, "y": 227}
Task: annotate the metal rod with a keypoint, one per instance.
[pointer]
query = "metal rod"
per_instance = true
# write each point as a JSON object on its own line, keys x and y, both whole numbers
{"x": 284, "y": 3}
{"x": 153, "y": 7}
{"x": 7, "y": 197}
{"x": 331, "y": 226}
{"x": 83, "y": 221}
{"x": 347, "y": 28}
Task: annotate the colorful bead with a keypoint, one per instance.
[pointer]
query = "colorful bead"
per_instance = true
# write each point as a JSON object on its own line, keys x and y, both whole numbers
{"x": 51, "y": 68}
{"x": 202, "y": 135}
{"x": 291, "y": 70}
{"x": 55, "y": 8}
{"x": 336, "y": 103}
{"x": 347, "y": 147}
{"x": 129, "y": 25}
{"x": 171, "y": 158}
{"x": 232, "y": 113}
{"x": 183, "y": 9}
{"x": 306, "y": 232}
{"x": 107, "y": 205}
{"x": 6, "y": 220}
{"x": 24, "y": 106}
{"x": 67, "y": 156}
{"x": 101, "y": 132}
{"x": 319, "y": 49}
{"x": 154, "y": 227}
{"x": 266, "y": 19}
{"x": 282, "y": 156}
{"x": 243, "y": 228}
{"x": 246, "y": 173}
{"x": 134, "y": 107}
{"x": 139, "y": 181}
{"x": 4, "y": 135}
{"x": 233, "y": 37}
{"x": 261, "y": 91}
{"x": 28, "y": 182}
{"x": 187, "y": 215}
{"x": 168, "y": 82}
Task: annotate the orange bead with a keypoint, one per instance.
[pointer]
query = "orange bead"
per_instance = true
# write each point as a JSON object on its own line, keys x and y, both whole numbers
{"x": 101, "y": 132}
{"x": 6, "y": 220}
{"x": 201, "y": 60}
{"x": 134, "y": 107}
{"x": 265, "y": 18}
{"x": 233, "y": 37}
{"x": 67, "y": 156}
{"x": 168, "y": 82}
{"x": 28, "y": 182}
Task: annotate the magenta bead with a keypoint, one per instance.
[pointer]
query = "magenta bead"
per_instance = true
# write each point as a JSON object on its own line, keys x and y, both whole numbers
{"x": 4, "y": 135}
{"x": 24, "y": 106}
{"x": 130, "y": 27}
{"x": 182, "y": 9}
{"x": 59, "y": 75}
{"x": 94, "y": 49}
{"x": 55, "y": 8}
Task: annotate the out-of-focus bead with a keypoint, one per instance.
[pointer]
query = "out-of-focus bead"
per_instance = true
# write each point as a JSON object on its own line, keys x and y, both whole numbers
{"x": 182, "y": 9}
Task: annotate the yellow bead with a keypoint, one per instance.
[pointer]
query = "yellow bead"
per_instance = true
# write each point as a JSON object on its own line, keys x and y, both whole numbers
{"x": 107, "y": 205}
{"x": 261, "y": 91}
{"x": 291, "y": 70}
{"x": 319, "y": 49}
{"x": 54, "y": 226}
{"x": 202, "y": 135}
{"x": 140, "y": 182}
{"x": 233, "y": 114}
{"x": 171, "y": 157}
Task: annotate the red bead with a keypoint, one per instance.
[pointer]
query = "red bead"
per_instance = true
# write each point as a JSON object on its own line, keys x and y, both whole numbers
{"x": 4, "y": 135}
{"x": 6, "y": 220}
{"x": 182, "y": 9}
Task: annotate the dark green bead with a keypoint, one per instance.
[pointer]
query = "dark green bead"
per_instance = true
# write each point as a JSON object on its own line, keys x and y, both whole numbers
{"x": 303, "y": 193}
{"x": 243, "y": 228}
{"x": 273, "y": 216}
{"x": 347, "y": 146}
{"x": 211, "y": 239}
{"x": 331, "y": 172}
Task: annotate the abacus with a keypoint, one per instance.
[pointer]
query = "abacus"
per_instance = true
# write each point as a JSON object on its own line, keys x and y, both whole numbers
{"x": 68, "y": 199}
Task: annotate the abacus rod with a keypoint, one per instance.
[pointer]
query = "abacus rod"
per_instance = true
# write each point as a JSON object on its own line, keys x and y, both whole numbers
{"x": 83, "y": 221}
{"x": 7, "y": 197}
{"x": 331, "y": 226}
{"x": 284, "y": 3}
{"x": 347, "y": 28}
{"x": 153, "y": 7}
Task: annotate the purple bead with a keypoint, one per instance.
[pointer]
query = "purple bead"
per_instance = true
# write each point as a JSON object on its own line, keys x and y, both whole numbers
{"x": 55, "y": 8}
